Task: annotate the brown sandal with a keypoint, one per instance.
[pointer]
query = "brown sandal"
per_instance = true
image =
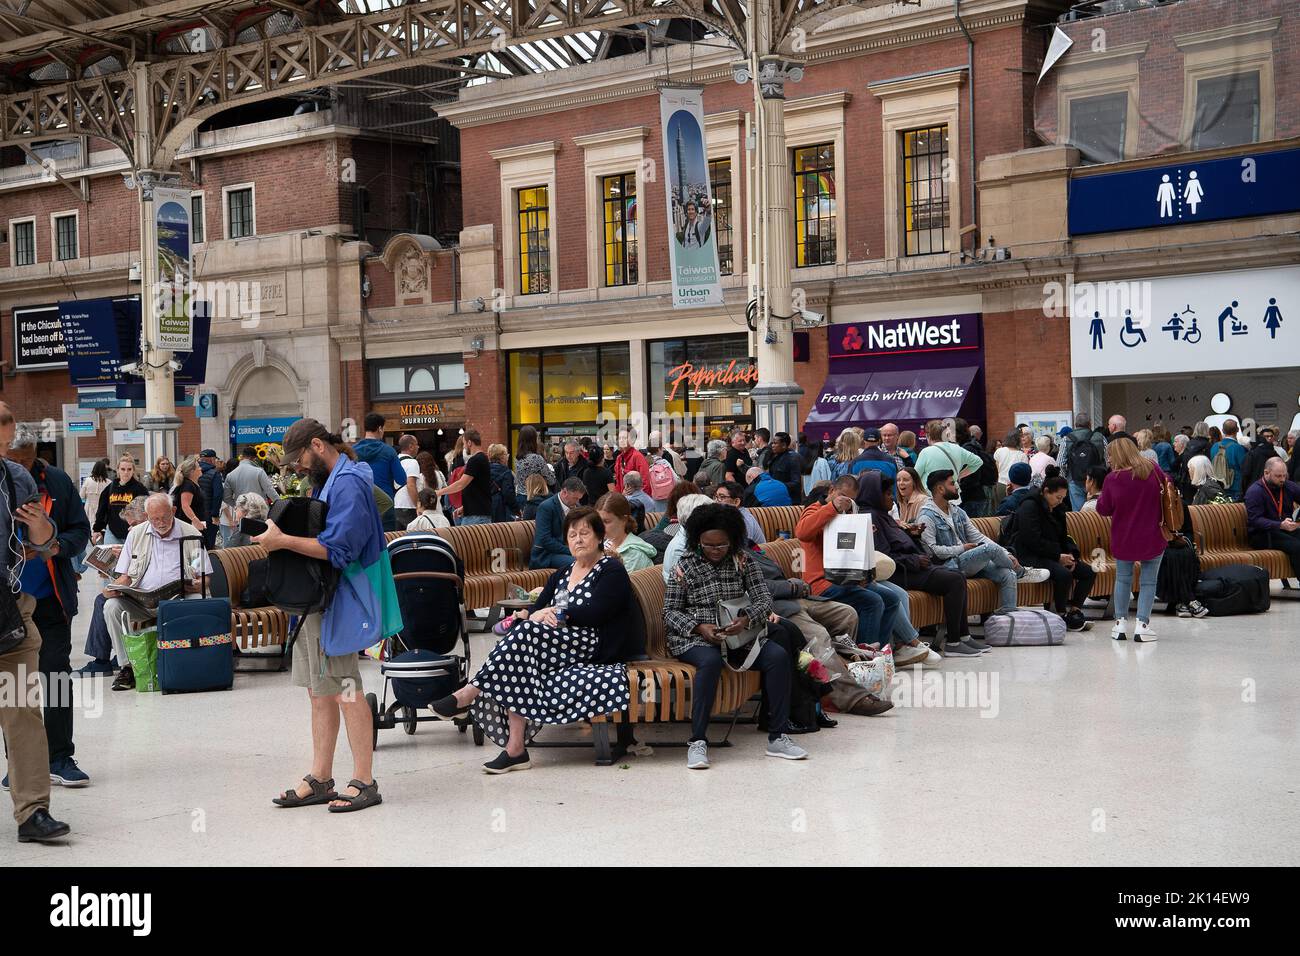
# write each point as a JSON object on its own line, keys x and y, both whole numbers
{"x": 320, "y": 793}
{"x": 367, "y": 796}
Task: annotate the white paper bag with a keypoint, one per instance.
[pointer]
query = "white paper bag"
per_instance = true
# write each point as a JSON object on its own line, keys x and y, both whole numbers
{"x": 847, "y": 549}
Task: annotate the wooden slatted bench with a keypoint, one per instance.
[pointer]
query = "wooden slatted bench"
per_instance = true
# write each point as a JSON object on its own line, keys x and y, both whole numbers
{"x": 251, "y": 628}
{"x": 1221, "y": 539}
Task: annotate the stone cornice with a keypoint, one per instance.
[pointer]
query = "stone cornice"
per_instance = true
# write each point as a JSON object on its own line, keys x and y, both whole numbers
{"x": 1081, "y": 57}
{"x": 918, "y": 83}
{"x": 614, "y": 137}
{"x": 806, "y": 104}
{"x": 1254, "y": 30}
{"x": 597, "y": 83}
{"x": 518, "y": 152}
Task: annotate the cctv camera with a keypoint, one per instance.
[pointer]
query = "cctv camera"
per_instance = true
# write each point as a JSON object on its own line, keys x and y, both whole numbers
{"x": 811, "y": 319}
{"x": 130, "y": 368}
{"x": 174, "y": 365}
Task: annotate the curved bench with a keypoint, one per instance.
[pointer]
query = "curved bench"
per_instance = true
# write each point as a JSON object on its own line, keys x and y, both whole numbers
{"x": 1221, "y": 538}
{"x": 254, "y": 627}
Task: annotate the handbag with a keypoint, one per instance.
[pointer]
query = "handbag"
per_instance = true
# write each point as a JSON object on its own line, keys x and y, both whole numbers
{"x": 753, "y": 637}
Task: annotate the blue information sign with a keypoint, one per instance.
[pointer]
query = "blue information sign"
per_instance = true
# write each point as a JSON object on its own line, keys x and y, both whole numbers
{"x": 1255, "y": 184}
{"x": 254, "y": 431}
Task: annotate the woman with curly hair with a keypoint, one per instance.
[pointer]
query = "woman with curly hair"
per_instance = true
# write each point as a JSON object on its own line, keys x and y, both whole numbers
{"x": 716, "y": 568}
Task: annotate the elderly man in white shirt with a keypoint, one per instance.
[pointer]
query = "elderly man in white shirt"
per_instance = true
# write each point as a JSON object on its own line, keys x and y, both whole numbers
{"x": 152, "y": 556}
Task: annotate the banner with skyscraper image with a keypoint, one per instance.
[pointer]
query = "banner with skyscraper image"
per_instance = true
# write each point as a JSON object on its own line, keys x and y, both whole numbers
{"x": 692, "y": 244}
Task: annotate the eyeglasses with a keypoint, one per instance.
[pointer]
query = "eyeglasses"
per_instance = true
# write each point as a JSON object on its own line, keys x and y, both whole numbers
{"x": 715, "y": 547}
{"x": 725, "y": 498}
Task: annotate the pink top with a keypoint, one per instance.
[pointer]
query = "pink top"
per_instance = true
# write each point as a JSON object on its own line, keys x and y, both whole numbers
{"x": 1134, "y": 510}
{"x": 1038, "y": 464}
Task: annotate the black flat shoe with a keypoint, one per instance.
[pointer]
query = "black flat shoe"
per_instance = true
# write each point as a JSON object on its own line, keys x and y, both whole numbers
{"x": 794, "y": 728}
{"x": 448, "y": 709}
{"x": 40, "y": 827}
{"x": 125, "y": 679}
{"x": 504, "y": 763}
{"x": 827, "y": 722}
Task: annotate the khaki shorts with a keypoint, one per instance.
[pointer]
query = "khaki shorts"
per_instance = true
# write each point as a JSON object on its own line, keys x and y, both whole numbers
{"x": 323, "y": 676}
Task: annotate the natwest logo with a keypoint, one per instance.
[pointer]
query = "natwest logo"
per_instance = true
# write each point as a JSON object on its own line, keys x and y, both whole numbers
{"x": 907, "y": 335}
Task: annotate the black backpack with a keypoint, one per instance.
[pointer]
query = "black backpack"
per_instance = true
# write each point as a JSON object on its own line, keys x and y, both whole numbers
{"x": 972, "y": 486}
{"x": 1083, "y": 455}
{"x": 1007, "y": 529}
{"x": 13, "y": 629}
{"x": 295, "y": 583}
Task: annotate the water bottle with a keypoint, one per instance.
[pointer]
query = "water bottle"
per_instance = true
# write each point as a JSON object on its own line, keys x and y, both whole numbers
{"x": 562, "y": 606}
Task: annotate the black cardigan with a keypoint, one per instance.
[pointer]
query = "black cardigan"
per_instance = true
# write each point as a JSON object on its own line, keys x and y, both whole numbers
{"x": 609, "y": 611}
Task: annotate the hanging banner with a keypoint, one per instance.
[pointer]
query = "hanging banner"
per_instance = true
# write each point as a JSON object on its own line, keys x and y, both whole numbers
{"x": 171, "y": 210}
{"x": 693, "y": 247}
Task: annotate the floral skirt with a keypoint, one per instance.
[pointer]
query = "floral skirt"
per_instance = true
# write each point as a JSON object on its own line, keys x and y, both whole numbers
{"x": 542, "y": 673}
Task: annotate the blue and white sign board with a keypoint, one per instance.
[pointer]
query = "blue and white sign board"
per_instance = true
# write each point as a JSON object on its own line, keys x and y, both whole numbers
{"x": 1259, "y": 184}
{"x": 78, "y": 421}
{"x": 254, "y": 431}
{"x": 1221, "y": 321}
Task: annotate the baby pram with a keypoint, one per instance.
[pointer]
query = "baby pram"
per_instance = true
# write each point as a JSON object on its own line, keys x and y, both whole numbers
{"x": 419, "y": 663}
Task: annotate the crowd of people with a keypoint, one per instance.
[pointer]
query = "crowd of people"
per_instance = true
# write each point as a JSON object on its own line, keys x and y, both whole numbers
{"x": 603, "y": 513}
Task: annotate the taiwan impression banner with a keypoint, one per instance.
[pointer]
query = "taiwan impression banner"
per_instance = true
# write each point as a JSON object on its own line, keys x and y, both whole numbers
{"x": 171, "y": 209}
{"x": 692, "y": 245}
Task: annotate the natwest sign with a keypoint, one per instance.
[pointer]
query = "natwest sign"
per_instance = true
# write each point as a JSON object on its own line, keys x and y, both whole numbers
{"x": 948, "y": 333}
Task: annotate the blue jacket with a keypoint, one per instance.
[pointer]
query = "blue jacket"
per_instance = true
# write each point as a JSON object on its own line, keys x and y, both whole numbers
{"x": 1166, "y": 457}
{"x": 1236, "y": 454}
{"x": 505, "y": 503}
{"x": 548, "y": 537}
{"x": 213, "y": 485}
{"x": 877, "y": 458}
{"x": 389, "y": 475}
{"x": 769, "y": 492}
{"x": 354, "y": 539}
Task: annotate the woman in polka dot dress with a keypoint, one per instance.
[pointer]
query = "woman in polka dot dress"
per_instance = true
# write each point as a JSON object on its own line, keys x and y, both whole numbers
{"x": 560, "y": 661}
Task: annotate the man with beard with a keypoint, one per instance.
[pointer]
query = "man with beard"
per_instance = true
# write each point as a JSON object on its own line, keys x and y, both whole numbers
{"x": 325, "y": 654}
{"x": 1270, "y": 504}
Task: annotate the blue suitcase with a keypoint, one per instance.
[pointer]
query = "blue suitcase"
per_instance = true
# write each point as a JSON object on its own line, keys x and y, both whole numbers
{"x": 195, "y": 650}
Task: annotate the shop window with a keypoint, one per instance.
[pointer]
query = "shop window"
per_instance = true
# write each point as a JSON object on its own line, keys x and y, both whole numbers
{"x": 925, "y": 190}
{"x": 526, "y": 388}
{"x": 619, "y": 200}
{"x": 417, "y": 379}
{"x": 563, "y": 391}
{"x": 1227, "y": 111}
{"x": 65, "y": 237}
{"x": 23, "y": 239}
{"x": 814, "y": 205}
{"x": 1097, "y": 127}
{"x": 725, "y": 396}
{"x": 534, "y": 240}
{"x": 720, "y": 187}
{"x": 240, "y": 213}
{"x": 196, "y": 217}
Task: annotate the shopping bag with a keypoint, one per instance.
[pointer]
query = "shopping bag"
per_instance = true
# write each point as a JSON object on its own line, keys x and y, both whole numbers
{"x": 142, "y": 652}
{"x": 848, "y": 555}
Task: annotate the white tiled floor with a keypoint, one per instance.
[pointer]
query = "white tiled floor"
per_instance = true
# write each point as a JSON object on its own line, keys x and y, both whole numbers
{"x": 1183, "y": 752}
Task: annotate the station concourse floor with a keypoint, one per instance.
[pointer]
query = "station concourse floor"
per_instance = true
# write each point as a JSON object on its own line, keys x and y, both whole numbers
{"x": 1180, "y": 753}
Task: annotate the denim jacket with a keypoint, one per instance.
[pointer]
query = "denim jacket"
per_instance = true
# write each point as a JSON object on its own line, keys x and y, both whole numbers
{"x": 939, "y": 538}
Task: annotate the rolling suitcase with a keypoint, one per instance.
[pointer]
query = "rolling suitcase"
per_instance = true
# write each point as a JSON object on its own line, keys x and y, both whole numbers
{"x": 195, "y": 649}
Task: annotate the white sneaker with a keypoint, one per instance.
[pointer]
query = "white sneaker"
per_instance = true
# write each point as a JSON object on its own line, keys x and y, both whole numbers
{"x": 932, "y": 657}
{"x": 697, "y": 755}
{"x": 907, "y": 655}
{"x": 1035, "y": 576}
{"x": 1120, "y": 631}
{"x": 786, "y": 748}
{"x": 1143, "y": 633}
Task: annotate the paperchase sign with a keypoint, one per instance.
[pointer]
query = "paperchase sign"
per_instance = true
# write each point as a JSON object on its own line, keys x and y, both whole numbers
{"x": 1222, "y": 321}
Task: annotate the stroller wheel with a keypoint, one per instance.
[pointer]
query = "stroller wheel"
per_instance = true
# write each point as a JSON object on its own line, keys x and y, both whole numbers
{"x": 373, "y": 701}
{"x": 408, "y": 720}
{"x": 478, "y": 736}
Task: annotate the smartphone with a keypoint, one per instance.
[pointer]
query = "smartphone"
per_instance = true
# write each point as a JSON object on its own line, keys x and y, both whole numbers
{"x": 251, "y": 527}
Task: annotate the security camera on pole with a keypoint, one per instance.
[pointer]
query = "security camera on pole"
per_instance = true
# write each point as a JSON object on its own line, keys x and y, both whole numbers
{"x": 776, "y": 396}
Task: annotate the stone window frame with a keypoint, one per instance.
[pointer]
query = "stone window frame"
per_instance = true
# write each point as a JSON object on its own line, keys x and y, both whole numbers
{"x": 523, "y": 167}
{"x": 911, "y": 103}
{"x": 225, "y": 210}
{"x": 1086, "y": 74}
{"x": 202, "y": 196}
{"x": 75, "y": 215}
{"x": 13, "y": 245}
{"x": 1223, "y": 51}
{"x": 612, "y": 153}
{"x": 811, "y": 121}
{"x": 723, "y": 139}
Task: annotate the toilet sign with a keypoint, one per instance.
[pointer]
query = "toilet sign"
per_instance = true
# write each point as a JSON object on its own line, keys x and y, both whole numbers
{"x": 1261, "y": 184}
{"x": 1220, "y": 320}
